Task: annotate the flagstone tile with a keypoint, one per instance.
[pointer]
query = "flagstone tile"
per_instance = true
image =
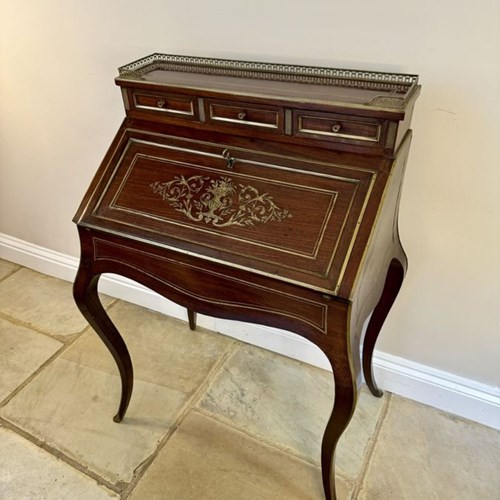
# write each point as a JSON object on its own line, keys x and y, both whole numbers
{"x": 70, "y": 405}
{"x": 164, "y": 350}
{"x": 424, "y": 453}
{"x": 207, "y": 459}
{"x": 22, "y": 352}
{"x": 29, "y": 473}
{"x": 7, "y": 268}
{"x": 43, "y": 302}
{"x": 288, "y": 403}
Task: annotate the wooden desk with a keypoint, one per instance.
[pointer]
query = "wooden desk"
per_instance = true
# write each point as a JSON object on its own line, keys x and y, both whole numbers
{"x": 255, "y": 192}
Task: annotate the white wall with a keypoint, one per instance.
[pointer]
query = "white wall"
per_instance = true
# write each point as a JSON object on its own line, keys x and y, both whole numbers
{"x": 59, "y": 110}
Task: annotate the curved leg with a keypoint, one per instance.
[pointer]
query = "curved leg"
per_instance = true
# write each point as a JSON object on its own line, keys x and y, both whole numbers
{"x": 393, "y": 282}
{"x": 87, "y": 300}
{"x": 343, "y": 409}
{"x": 192, "y": 319}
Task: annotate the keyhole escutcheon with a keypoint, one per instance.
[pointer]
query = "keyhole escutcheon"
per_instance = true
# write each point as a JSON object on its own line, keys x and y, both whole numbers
{"x": 230, "y": 160}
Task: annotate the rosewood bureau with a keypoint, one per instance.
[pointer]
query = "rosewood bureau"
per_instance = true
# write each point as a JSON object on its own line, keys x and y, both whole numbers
{"x": 258, "y": 192}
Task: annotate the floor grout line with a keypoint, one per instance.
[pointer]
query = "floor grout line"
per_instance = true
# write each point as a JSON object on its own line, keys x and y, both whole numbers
{"x": 189, "y": 407}
{"x": 70, "y": 341}
{"x": 8, "y": 275}
{"x": 41, "y": 368}
{"x": 60, "y": 338}
{"x": 58, "y": 455}
{"x": 270, "y": 444}
{"x": 142, "y": 468}
{"x": 255, "y": 437}
{"x": 24, "y": 324}
{"x": 126, "y": 489}
{"x": 123, "y": 489}
{"x": 67, "y": 343}
{"x": 372, "y": 443}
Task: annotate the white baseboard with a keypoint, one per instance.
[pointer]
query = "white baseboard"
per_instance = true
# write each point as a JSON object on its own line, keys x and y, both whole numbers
{"x": 460, "y": 396}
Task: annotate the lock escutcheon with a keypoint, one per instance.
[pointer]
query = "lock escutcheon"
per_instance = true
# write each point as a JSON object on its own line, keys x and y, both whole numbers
{"x": 230, "y": 160}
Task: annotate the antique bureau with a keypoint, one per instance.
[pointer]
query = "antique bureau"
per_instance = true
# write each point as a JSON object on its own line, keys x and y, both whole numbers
{"x": 257, "y": 192}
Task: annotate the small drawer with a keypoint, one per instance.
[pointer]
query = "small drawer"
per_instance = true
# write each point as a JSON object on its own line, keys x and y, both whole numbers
{"x": 166, "y": 104}
{"x": 244, "y": 115}
{"x": 337, "y": 127}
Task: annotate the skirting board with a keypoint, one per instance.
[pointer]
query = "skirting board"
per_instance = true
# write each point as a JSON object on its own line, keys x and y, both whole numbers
{"x": 460, "y": 396}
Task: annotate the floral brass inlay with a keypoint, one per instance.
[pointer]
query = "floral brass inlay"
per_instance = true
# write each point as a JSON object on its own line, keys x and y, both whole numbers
{"x": 219, "y": 201}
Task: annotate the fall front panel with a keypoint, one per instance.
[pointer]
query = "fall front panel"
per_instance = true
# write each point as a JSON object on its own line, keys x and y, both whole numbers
{"x": 270, "y": 214}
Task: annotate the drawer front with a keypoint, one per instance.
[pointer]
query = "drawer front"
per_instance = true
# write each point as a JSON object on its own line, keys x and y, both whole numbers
{"x": 336, "y": 127}
{"x": 277, "y": 215}
{"x": 214, "y": 285}
{"x": 245, "y": 115}
{"x": 162, "y": 104}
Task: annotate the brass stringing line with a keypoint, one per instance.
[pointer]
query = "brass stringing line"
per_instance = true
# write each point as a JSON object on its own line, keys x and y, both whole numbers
{"x": 124, "y": 181}
{"x": 335, "y": 291}
{"x": 250, "y": 241}
{"x": 253, "y": 162}
{"x": 205, "y": 230}
{"x": 112, "y": 176}
{"x": 115, "y": 206}
{"x": 321, "y": 306}
{"x": 237, "y": 148}
{"x": 355, "y": 234}
{"x": 321, "y": 234}
{"x": 213, "y": 259}
{"x": 333, "y": 194}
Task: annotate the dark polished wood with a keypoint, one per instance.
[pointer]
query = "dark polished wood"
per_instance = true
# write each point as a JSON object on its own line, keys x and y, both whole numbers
{"x": 87, "y": 300}
{"x": 259, "y": 193}
{"x": 192, "y": 319}
{"x": 393, "y": 282}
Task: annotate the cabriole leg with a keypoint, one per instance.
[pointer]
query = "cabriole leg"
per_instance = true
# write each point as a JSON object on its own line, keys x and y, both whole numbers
{"x": 343, "y": 408}
{"x": 393, "y": 282}
{"x": 87, "y": 300}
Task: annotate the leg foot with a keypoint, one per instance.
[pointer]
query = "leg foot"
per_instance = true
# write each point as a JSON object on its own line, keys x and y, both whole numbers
{"x": 192, "y": 319}
{"x": 393, "y": 282}
{"x": 87, "y": 300}
{"x": 341, "y": 415}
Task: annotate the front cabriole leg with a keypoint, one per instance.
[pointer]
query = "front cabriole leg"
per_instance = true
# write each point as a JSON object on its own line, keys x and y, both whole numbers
{"x": 337, "y": 348}
{"x": 87, "y": 300}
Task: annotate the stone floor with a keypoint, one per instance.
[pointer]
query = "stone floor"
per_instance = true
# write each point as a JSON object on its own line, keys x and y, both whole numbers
{"x": 210, "y": 417}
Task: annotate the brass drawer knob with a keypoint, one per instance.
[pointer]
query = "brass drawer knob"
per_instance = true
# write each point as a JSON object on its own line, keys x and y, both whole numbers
{"x": 161, "y": 103}
{"x": 242, "y": 115}
{"x": 336, "y": 127}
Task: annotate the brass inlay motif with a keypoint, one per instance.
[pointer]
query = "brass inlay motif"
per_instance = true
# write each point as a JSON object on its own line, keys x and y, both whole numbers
{"x": 219, "y": 201}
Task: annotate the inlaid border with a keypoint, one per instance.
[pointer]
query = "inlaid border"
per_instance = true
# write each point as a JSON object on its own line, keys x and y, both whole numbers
{"x": 321, "y": 325}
